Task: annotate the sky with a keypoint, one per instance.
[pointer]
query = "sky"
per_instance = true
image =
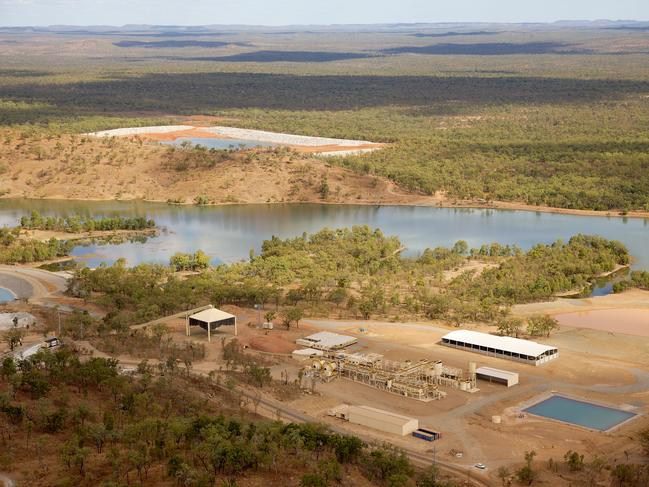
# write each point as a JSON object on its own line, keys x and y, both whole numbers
{"x": 287, "y": 12}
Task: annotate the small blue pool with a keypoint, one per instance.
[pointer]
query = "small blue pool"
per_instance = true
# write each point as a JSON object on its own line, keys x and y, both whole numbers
{"x": 6, "y": 295}
{"x": 580, "y": 413}
{"x": 209, "y": 143}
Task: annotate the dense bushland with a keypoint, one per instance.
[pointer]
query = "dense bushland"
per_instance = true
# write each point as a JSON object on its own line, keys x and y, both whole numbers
{"x": 74, "y": 422}
{"x": 76, "y": 223}
{"x": 358, "y": 272}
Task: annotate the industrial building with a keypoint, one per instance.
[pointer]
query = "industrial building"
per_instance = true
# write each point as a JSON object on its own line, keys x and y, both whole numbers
{"x": 509, "y": 348}
{"x": 325, "y": 340}
{"x": 419, "y": 380}
{"x": 377, "y": 419}
{"x": 496, "y": 375}
{"x": 211, "y": 319}
{"x": 306, "y": 353}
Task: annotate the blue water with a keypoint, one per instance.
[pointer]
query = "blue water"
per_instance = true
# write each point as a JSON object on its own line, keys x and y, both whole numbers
{"x": 227, "y": 233}
{"x": 5, "y": 295}
{"x": 234, "y": 144}
{"x": 580, "y": 413}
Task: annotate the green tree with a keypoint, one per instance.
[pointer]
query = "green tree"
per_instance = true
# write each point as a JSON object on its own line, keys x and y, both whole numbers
{"x": 13, "y": 337}
{"x": 510, "y": 326}
{"x": 541, "y": 325}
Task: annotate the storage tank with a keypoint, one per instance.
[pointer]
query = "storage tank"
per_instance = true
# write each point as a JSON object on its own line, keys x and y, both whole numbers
{"x": 438, "y": 369}
{"x": 496, "y": 419}
{"x": 472, "y": 369}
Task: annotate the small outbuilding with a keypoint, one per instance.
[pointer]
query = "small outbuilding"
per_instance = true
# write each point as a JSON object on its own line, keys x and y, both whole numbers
{"x": 326, "y": 340}
{"x": 306, "y": 353}
{"x": 496, "y": 375}
{"x": 211, "y": 319}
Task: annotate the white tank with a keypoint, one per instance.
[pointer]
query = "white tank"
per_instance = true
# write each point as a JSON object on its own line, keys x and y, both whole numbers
{"x": 438, "y": 369}
{"x": 472, "y": 369}
{"x": 496, "y": 419}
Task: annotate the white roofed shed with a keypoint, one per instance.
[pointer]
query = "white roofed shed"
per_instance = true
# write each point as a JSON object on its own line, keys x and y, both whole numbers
{"x": 509, "y": 348}
{"x": 325, "y": 340}
{"x": 496, "y": 375}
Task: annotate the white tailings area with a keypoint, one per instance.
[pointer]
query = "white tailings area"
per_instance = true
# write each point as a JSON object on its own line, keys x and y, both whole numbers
{"x": 341, "y": 153}
{"x": 282, "y": 139}
{"x": 256, "y": 135}
{"x": 165, "y": 129}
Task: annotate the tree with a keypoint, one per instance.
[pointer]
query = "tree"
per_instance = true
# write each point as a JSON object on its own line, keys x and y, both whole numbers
{"x": 312, "y": 480}
{"x": 541, "y": 325}
{"x": 324, "y": 188}
{"x": 460, "y": 247}
{"x": 270, "y": 316}
{"x": 510, "y": 326}
{"x": 258, "y": 375}
{"x": 526, "y": 474}
{"x": 644, "y": 441}
{"x": 159, "y": 331}
{"x": 13, "y": 337}
{"x": 505, "y": 476}
{"x": 574, "y": 460}
{"x": 291, "y": 315}
{"x": 8, "y": 368}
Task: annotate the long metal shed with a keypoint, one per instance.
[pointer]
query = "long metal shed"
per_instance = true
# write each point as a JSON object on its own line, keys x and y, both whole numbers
{"x": 509, "y": 348}
{"x": 496, "y": 375}
{"x": 381, "y": 420}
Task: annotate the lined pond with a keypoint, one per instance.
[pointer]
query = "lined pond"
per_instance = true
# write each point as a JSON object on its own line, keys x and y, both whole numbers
{"x": 227, "y": 233}
{"x": 214, "y": 143}
{"x": 6, "y": 295}
{"x": 580, "y": 413}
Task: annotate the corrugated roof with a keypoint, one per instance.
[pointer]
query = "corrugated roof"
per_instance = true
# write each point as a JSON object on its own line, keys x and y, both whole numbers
{"x": 329, "y": 339}
{"x": 211, "y": 315}
{"x": 308, "y": 352}
{"x": 380, "y": 415}
{"x": 514, "y": 345}
{"x": 500, "y": 374}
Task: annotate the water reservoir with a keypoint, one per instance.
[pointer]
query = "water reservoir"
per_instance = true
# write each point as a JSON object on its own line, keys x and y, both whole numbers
{"x": 580, "y": 413}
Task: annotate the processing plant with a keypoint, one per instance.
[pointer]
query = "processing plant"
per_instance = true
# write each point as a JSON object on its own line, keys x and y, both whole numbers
{"x": 418, "y": 380}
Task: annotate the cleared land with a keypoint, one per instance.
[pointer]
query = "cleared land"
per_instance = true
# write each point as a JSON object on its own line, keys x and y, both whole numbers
{"x": 627, "y": 321}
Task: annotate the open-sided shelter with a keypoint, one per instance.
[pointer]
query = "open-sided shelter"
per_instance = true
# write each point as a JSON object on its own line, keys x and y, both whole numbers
{"x": 211, "y": 319}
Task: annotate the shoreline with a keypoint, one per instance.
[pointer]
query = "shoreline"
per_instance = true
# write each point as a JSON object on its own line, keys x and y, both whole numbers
{"x": 417, "y": 201}
{"x": 105, "y": 235}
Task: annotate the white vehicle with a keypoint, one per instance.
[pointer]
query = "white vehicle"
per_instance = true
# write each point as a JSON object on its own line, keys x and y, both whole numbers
{"x": 480, "y": 466}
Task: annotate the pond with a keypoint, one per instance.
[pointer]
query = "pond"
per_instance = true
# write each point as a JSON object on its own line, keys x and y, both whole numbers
{"x": 580, "y": 413}
{"x": 227, "y": 233}
{"x": 6, "y": 295}
{"x": 214, "y": 143}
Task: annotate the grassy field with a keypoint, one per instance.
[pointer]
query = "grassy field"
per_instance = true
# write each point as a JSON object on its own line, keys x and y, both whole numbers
{"x": 537, "y": 115}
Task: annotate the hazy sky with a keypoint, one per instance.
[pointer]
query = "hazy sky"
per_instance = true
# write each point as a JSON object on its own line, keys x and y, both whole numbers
{"x": 284, "y": 12}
